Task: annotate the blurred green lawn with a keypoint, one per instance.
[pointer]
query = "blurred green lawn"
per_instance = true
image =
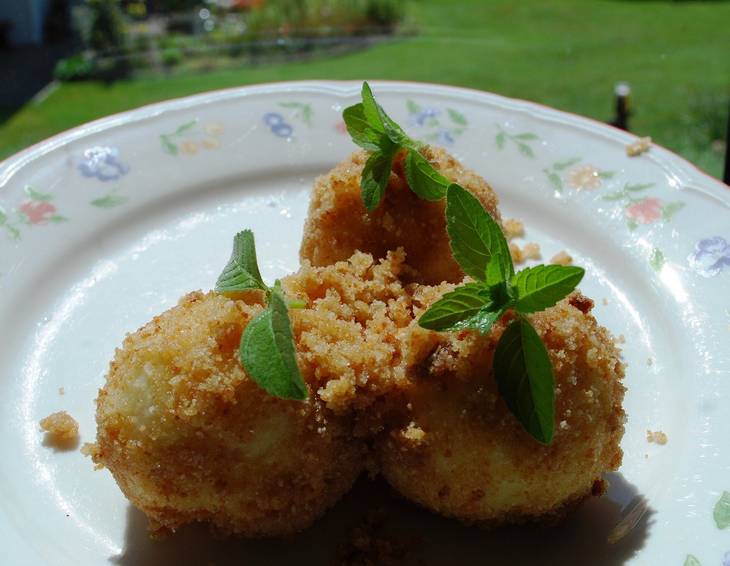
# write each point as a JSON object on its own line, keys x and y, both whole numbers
{"x": 567, "y": 54}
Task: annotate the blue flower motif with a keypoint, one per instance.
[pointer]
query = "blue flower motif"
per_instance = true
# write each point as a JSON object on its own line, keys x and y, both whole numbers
{"x": 420, "y": 118}
{"x": 711, "y": 256}
{"x": 278, "y": 126}
{"x": 726, "y": 559}
{"x": 103, "y": 163}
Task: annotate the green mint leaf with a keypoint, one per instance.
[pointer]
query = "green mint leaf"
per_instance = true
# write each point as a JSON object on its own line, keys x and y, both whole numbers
{"x": 242, "y": 271}
{"x": 370, "y": 109}
{"x": 525, "y": 381}
{"x": 468, "y": 306}
{"x": 359, "y": 128}
{"x": 721, "y": 513}
{"x": 380, "y": 121}
{"x": 267, "y": 351}
{"x": 375, "y": 177}
{"x": 423, "y": 179}
{"x": 537, "y": 288}
{"x": 500, "y": 268}
{"x": 476, "y": 241}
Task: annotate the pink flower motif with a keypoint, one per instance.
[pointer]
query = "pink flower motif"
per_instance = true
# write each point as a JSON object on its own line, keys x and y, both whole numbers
{"x": 38, "y": 212}
{"x": 584, "y": 177}
{"x": 341, "y": 128}
{"x": 645, "y": 211}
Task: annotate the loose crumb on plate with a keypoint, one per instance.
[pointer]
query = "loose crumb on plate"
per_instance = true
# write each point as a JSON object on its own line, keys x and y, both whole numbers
{"x": 657, "y": 437}
{"x": 513, "y": 228}
{"x": 532, "y": 251}
{"x": 521, "y": 255}
{"x": 561, "y": 258}
{"x": 61, "y": 391}
{"x": 62, "y": 430}
{"x": 605, "y": 302}
{"x": 638, "y": 147}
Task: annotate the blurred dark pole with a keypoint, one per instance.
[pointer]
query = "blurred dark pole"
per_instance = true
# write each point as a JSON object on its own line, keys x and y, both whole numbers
{"x": 726, "y": 175}
{"x": 622, "y": 92}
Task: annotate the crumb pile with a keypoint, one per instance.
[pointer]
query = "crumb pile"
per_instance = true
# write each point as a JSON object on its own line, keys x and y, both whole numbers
{"x": 190, "y": 437}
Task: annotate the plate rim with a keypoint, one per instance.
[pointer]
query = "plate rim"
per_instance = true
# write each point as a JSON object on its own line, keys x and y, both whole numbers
{"x": 14, "y": 163}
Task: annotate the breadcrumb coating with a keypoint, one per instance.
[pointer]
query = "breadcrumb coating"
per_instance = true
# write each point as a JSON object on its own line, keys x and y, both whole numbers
{"x": 338, "y": 224}
{"x": 474, "y": 461}
{"x": 189, "y": 437}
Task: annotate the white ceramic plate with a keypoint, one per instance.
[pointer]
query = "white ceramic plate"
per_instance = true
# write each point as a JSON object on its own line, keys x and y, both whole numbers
{"x": 108, "y": 224}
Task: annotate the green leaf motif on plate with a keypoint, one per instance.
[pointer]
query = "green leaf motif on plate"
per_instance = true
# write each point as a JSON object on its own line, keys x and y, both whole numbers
{"x": 521, "y": 141}
{"x": 563, "y": 165}
{"x": 109, "y": 201}
{"x": 691, "y": 561}
{"x": 721, "y": 512}
{"x": 303, "y": 111}
{"x": 457, "y": 117}
{"x": 657, "y": 259}
{"x": 36, "y": 195}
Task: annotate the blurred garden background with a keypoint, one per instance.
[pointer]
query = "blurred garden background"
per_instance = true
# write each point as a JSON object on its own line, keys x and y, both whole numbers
{"x": 65, "y": 62}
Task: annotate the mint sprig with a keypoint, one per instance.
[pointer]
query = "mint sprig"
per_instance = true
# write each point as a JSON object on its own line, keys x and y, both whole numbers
{"x": 524, "y": 377}
{"x": 521, "y": 364}
{"x": 372, "y": 129}
{"x": 242, "y": 271}
{"x": 266, "y": 350}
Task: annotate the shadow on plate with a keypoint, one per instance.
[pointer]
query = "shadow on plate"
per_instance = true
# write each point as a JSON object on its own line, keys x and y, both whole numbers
{"x": 603, "y": 531}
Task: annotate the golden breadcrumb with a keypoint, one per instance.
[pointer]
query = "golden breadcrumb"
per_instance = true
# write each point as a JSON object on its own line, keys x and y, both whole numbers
{"x": 531, "y": 250}
{"x": 521, "y": 255}
{"x": 189, "y": 437}
{"x": 513, "y": 228}
{"x": 61, "y": 429}
{"x": 636, "y": 148}
{"x": 657, "y": 437}
{"x": 561, "y": 258}
{"x": 338, "y": 224}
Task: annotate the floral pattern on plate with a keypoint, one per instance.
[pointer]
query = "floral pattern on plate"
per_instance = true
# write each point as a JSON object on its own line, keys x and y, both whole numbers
{"x": 102, "y": 162}
{"x": 36, "y": 209}
{"x": 189, "y": 138}
{"x": 443, "y": 127}
{"x": 711, "y": 256}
